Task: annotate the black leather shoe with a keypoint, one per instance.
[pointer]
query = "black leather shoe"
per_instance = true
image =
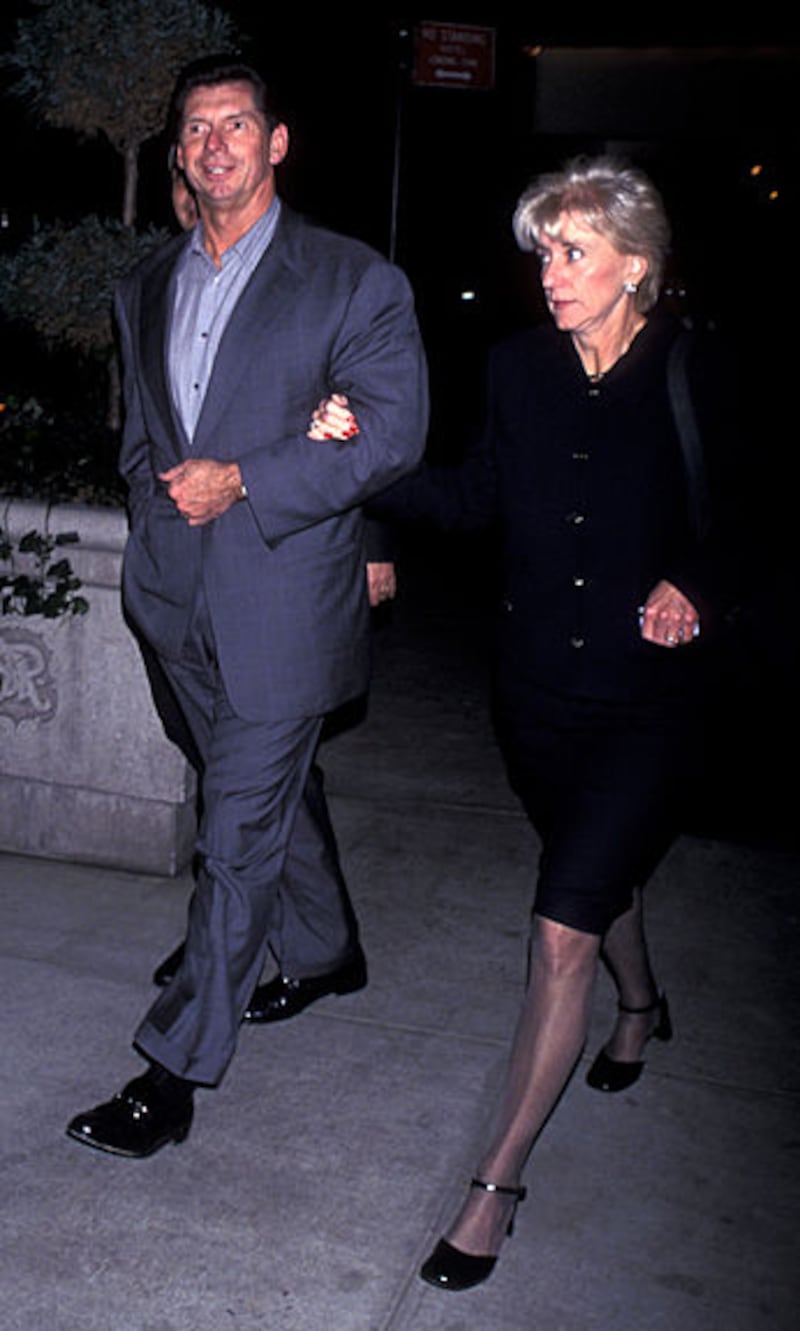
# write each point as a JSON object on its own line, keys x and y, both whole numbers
{"x": 165, "y": 973}
{"x": 137, "y": 1122}
{"x": 283, "y": 997}
{"x": 450, "y": 1268}
{"x": 611, "y": 1074}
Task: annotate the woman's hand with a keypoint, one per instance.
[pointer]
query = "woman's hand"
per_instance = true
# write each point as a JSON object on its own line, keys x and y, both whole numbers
{"x": 668, "y": 619}
{"x": 333, "y": 419}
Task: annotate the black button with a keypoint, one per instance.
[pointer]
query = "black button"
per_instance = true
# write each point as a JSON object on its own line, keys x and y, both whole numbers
{"x": 576, "y": 518}
{"x": 578, "y": 582}
{"x": 577, "y": 641}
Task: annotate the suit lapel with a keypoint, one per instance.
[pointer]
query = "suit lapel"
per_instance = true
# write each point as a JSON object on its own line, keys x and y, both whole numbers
{"x": 158, "y": 292}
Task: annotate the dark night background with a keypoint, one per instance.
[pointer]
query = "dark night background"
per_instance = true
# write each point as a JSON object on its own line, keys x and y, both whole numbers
{"x": 696, "y": 108}
{"x": 715, "y": 106}
{"x": 721, "y": 103}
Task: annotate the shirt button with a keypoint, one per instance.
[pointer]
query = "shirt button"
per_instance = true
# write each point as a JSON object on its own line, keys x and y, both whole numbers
{"x": 578, "y": 582}
{"x": 580, "y": 457}
{"x": 576, "y": 641}
{"x": 575, "y": 519}
{"x": 508, "y": 604}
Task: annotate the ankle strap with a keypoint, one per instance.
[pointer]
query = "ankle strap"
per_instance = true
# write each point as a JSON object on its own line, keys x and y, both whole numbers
{"x": 519, "y": 1193}
{"x": 641, "y": 1011}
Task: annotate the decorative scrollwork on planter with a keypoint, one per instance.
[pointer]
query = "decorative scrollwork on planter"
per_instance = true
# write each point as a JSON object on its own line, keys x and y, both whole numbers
{"x": 28, "y": 690}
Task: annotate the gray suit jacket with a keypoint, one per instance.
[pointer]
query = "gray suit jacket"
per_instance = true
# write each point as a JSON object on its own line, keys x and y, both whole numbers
{"x": 283, "y": 572}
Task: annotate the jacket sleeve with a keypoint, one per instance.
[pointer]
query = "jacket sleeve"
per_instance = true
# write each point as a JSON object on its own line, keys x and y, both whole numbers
{"x": 710, "y": 571}
{"x": 376, "y": 359}
{"x": 460, "y": 497}
{"x": 378, "y": 542}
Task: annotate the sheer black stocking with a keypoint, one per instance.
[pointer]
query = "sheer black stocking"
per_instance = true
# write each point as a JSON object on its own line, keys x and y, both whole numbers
{"x": 549, "y": 1038}
{"x": 624, "y": 951}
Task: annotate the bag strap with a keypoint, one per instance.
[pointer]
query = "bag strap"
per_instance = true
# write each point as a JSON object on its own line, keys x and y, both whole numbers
{"x": 683, "y": 412}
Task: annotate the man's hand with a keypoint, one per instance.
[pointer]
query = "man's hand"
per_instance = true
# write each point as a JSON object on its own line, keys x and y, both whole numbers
{"x": 202, "y": 489}
{"x": 381, "y": 583}
{"x": 669, "y": 619}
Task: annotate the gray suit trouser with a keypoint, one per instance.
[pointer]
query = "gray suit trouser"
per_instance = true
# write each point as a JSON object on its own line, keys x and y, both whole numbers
{"x": 269, "y": 874}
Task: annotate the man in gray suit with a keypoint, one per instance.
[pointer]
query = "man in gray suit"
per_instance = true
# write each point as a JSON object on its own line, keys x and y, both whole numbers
{"x": 244, "y": 569}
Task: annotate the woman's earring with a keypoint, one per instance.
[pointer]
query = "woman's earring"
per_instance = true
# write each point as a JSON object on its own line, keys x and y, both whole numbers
{"x": 630, "y": 288}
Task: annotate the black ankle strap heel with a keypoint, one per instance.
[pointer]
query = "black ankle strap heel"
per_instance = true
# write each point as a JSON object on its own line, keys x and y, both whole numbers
{"x": 611, "y": 1074}
{"x": 450, "y": 1268}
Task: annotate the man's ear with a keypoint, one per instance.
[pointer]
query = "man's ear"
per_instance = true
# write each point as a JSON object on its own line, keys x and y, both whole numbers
{"x": 278, "y": 144}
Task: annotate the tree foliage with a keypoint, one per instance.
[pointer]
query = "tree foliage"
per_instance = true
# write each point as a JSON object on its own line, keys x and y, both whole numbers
{"x": 98, "y": 67}
{"x": 62, "y": 279}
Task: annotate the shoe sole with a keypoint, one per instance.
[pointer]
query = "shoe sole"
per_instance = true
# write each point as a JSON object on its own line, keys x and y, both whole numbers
{"x": 176, "y": 1138}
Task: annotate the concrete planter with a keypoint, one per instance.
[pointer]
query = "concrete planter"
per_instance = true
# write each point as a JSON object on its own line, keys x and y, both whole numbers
{"x": 86, "y": 772}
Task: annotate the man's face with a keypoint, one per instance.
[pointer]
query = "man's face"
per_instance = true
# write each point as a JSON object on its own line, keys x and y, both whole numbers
{"x": 226, "y": 150}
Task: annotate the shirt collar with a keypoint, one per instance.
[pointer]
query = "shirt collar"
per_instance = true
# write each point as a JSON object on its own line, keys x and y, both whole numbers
{"x": 247, "y": 246}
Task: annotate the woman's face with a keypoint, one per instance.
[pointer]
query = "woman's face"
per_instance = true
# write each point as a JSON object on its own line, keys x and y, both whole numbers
{"x": 183, "y": 202}
{"x": 584, "y": 276}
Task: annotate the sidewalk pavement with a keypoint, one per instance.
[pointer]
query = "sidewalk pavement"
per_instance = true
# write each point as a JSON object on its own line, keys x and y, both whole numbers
{"x": 316, "y": 1178}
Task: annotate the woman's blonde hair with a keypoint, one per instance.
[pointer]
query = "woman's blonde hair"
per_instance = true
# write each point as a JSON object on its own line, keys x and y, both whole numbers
{"x": 618, "y": 201}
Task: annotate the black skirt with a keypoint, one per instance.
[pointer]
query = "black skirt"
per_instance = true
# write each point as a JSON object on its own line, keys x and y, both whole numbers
{"x": 601, "y": 783}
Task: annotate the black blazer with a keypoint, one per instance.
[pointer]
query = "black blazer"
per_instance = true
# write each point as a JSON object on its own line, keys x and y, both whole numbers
{"x": 588, "y": 487}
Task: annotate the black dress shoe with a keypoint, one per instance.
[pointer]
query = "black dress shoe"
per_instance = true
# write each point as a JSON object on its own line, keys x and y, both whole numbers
{"x": 165, "y": 973}
{"x": 138, "y": 1121}
{"x": 612, "y": 1074}
{"x": 283, "y": 997}
{"x": 450, "y": 1268}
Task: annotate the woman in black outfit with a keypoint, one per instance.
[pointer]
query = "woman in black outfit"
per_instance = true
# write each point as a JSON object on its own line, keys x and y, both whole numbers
{"x": 605, "y": 613}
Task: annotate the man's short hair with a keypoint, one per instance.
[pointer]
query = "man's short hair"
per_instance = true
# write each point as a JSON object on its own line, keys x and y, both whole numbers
{"x": 210, "y": 70}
